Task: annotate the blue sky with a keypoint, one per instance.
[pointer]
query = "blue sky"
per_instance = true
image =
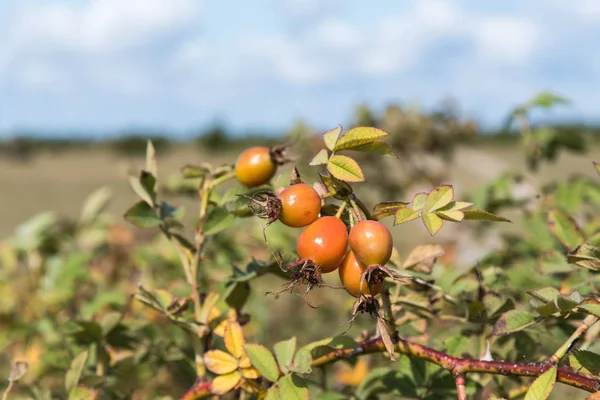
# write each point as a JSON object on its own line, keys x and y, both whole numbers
{"x": 108, "y": 65}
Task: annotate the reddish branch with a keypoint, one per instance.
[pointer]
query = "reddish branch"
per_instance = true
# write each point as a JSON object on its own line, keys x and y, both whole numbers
{"x": 461, "y": 389}
{"x": 458, "y": 366}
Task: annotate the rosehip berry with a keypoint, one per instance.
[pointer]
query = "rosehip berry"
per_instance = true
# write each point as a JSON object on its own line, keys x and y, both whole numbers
{"x": 300, "y": 205}
{"x": 324, "y": 242}
{"x": 371, "y": 242}
{"x": 254, "y": 166}
{"x": 350, "y": 272}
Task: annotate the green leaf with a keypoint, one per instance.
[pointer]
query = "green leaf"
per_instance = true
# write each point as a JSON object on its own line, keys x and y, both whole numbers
{"x": 331, "y": 396}
{"x": 293, "y": 387}
{"x": 302, "y": 362}
{"x": 439, "y": 197}
{"x": 405, "y": 215}
{"x": 547, "y": 100}
{"x": 566, "y": 304}
{"x": 387, "y": 208}
{"x": 432, "y": 222}
{"x": 284, "y": 351}
{"x": 547, "y": 294}
{"x": 110, "y": 321}
{"x": 591, "y": 308}
{"x": 142, "y": 216}
{"x": 345, "y": 169}
{"x": 542, "y": 386}
{"x": 586, "y": 362}
{"x": 377, "y": 147}
{"x": 218, "y": 220}
{"x": 167, "y": 211}
{"x": 358, "y": 137}
{"x": 151, "y": 164}
{"x": 418, "y": 202}
{"x": 83, "y": 393}
{"x": 564, "y": 229}
{"x": 320, "y": 159}
{"x": 480, "y": 215}
{"x": 237, "y": 294}
{"x": 194, "y": 171}
{"x": 94, "y": 204}
{"x": 75, "y": 370}
{"x": 331, "y": 136}
{"x": 456, "y": 345}
{"x": 263, "y": 361}
{"x": 513, "y": 321}
{"x": 586, "y": 256}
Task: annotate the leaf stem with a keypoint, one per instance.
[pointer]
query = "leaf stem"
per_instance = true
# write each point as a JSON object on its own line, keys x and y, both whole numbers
{"x": 356, "y": 209}
{"x": 340, "y": 210}
{"x": 362, "y": 206}
{"x": 387, "y": 312}
{"x": 580, "y": 331}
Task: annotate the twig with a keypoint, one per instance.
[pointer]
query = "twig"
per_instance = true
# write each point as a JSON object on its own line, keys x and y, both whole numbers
{"x": 461, "y": 390}
{"x": 7, "y": 390}
{"x": 580, "y": 331}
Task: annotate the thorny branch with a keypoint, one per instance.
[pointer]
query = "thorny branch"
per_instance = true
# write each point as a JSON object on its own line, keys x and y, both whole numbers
{"x": 458, "y": 366}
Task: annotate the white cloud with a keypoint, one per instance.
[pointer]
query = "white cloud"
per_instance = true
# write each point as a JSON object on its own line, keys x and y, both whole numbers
{"x": 588, "y": 9}
{"x": 504, "y": 39}
{"x": 337, "y": 34}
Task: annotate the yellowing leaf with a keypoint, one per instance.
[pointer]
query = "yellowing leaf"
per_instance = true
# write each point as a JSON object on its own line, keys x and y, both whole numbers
{"x": 234, "y": 339}
{"x": 359, "y": 136}
{"x": 331, "y": 136}
{"x": 422, "y": 258}
{"x": 250, "y": 373}
{"x": 432, "y": 222}
{"x": 245, "y": 362}
{"x": 439, "y": 197}
{"x": 353, "y": 376}
{"x": 454, "y": 216}
{"x": 345, "y": 169}
{"x": 405, "y": 215}
{"x": 377, "y": 147}
{"x": 540, "y": 388}
{"x": 480, "y": 215}
{"x": 320, "y": 159}
{"x": 224, "y": 383}
{"x": 418, "y": 202}
{"x": 219, "y": 362}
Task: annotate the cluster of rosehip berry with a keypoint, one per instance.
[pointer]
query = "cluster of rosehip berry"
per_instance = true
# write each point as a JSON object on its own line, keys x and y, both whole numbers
{"x": 325, "y": 240}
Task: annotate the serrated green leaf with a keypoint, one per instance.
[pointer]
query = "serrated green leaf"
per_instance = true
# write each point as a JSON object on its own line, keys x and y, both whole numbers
{"x": 439, "y": 197}
{"x": 331, "y": 137}
{"x": 564, "y": 229}
{"x": 513, "y": 321}
{"x": 432, "y": 222}
{"x": 293, "y": 387}
{"x": 151, "y": 163}
{"x": 387, "y": 208}
{"x": 345, "y": 169}
{"x": 94, "y": 204}
{"x": 591, "y": 308}
{"x": 262, "y": 359}
{"x": 358, "y": 136}
{"x": 321, "y": 158}
{"x": 566, "y": 304}
{"x": 547, "y": 294}
{"x": 142, "y": 216}
{"x": 331, "y": 396}
{"x": 284, "y": 352}
{"x": 547, "y": 309}
{"x": 75, "y": 370}
{"x": 480, "y": 215}
{"x": 377, "y": 147}
{"x": 585, "y": 362}
{"x": 405, "y": 215}
{"x": 542, "y": 386}
{"x": 418, "y": 202}
{"x": 218, "y": 220}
